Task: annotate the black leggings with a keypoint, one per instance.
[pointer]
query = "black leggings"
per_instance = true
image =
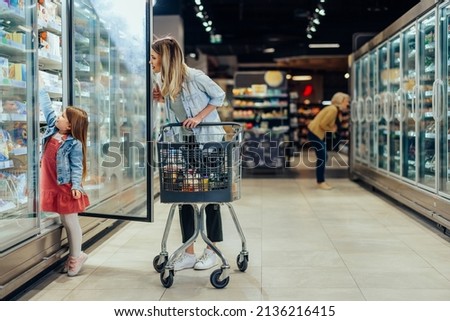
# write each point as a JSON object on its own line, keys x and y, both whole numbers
{"x": 213, "y": 222}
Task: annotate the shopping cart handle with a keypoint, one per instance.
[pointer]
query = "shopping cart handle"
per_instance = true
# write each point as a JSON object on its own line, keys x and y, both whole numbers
{"x": 234, "y": 124}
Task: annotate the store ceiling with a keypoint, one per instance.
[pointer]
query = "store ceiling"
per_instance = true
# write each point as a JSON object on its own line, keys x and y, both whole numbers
{"x": 247, "y": 27}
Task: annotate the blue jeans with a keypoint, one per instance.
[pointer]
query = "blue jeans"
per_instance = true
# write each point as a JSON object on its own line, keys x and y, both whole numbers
{"x": 321, "y": 155}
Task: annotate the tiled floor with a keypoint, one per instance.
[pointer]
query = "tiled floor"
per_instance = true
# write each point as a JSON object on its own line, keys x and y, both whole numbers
{"x": 304, "y": 244}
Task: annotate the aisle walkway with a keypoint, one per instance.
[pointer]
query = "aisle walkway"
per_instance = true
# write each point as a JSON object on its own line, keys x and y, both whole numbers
{"x": 304, "y": 244}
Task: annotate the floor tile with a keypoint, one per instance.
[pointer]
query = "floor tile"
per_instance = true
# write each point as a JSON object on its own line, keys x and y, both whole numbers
{"x": 347, "y": 244}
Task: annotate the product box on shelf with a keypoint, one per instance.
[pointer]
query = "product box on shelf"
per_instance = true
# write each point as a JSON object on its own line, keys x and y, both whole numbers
{"x": 16, "y": 3}
{"x": 51, "y": 11}
{"x": 51, "y": 82}
{"x": 18, "y": 71}
{"x": 4, "y": 68}
{"x": 49, "y": 43}
{"x": 18, "y": 38}
{"x": 42, "y": 14}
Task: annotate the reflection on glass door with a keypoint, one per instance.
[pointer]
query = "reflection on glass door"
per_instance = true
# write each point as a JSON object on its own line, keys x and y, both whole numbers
{"x": 356, "y": 110}
{"x": 407, "y": 112}
{"x": 109, "y": 81}
{"x": 364, "y": 105}
{"x": 382, "y": 115}
{"x": 18, "y": 220}
{"x": 372, "y": 106}
{"x": 427, "y": 129}
{"x": 394, "y": 124}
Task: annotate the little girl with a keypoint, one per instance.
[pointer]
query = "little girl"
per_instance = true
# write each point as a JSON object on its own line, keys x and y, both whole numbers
{"x": 63, "y": 168}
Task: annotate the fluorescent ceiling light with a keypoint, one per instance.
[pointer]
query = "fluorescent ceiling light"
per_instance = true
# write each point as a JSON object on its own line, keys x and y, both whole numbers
{"x": 324, "y": 45}
{"x": 269, "y": 50}
{"x": 302, "y": 78}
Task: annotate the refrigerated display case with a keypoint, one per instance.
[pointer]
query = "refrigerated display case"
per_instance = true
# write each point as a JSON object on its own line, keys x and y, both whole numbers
{"x": 83, "y": 59}
{"x": 400, "y": 94}
{"x": 18, "y": 218}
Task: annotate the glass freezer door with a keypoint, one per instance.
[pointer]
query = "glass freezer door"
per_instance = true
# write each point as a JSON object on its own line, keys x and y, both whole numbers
{"x": 383, "y": 105}
{"x": 394, "y": 124}
{"x": 372, "y": 105}
{"x": 444, "y": 143}
{"x": 407, "y": 112}
{"x": 356, "y": 110}
{"x": 18, "y": 153}
{"x": 110, "y": 68}
{"x": 427, "y": 130}
{"x": 364, "y": 106}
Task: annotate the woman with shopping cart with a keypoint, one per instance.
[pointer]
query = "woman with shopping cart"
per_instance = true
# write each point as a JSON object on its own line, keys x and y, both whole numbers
{"x": 190, "y": 97}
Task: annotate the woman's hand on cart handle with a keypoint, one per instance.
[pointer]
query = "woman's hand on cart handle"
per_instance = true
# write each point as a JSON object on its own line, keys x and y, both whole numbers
{"x": 192, "y": 122}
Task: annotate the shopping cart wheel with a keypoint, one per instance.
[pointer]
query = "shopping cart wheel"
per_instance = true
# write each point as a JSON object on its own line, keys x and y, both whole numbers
{"x": 166, "y": 282}
{"x": 215, "y": 279}
{"x": 242, "y": 265}
{"x": 159, "y": 267}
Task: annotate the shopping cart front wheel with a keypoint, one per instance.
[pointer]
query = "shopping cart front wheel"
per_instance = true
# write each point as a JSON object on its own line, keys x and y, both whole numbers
{"x": 168, "y": 281}
{"x": 216, "y": 281}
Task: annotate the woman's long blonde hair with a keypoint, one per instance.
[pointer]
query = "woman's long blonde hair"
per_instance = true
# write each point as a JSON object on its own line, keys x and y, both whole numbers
{"x": 173, "y": 67}
{"x": 78, "y": 120}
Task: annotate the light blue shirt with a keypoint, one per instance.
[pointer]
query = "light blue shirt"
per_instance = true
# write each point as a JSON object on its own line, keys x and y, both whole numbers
{"x": 199, "y": 91}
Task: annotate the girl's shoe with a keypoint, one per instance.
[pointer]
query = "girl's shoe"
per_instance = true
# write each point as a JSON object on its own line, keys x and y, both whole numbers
{"x": 76, "y": 263}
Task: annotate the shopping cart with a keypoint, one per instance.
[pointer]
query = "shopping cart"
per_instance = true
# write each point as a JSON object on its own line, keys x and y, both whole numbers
{"x": 204, "y": 168}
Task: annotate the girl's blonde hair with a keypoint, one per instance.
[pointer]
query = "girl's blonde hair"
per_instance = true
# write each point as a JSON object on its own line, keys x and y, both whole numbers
{"x": 173, "y": 67}
{"x": 78, "y": 120}
{"x": 338, "y": 98}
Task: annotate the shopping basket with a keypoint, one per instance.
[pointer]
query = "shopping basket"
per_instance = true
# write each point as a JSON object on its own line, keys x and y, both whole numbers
{"x": 199, "y": 168}
{"x": 193, "y": 169}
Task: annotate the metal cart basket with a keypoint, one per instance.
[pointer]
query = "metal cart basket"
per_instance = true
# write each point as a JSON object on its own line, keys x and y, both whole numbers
{"x": 200, "y": 168}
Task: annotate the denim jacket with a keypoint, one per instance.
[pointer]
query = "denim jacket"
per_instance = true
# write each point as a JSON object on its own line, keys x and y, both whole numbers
{"x": 197, "y": 92}
{"x": 69, "y": 158}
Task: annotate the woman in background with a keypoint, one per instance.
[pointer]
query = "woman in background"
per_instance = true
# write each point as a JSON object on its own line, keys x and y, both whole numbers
{"x": 325, "y": 121}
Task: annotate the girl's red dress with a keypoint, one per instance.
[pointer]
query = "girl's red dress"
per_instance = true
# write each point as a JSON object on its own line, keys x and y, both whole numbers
{"x": 54, "y": 197}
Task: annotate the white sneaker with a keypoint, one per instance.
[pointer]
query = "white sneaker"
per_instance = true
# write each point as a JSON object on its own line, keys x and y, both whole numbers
{"x": 184, "y": 261}
{"x": 206, "y": 261}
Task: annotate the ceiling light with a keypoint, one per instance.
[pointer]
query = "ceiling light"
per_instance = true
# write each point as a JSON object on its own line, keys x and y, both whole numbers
{"x": 309, "y": 36}
{"x": 198, "y": 2}
{"x": 324, "y": 45}
{"x": 269, "y": 50}
{"x": 312, "y": 28}
{"x": 320, "y": 10}
{"x": 302, "y": 78}
{"x": 316, "y": 20}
